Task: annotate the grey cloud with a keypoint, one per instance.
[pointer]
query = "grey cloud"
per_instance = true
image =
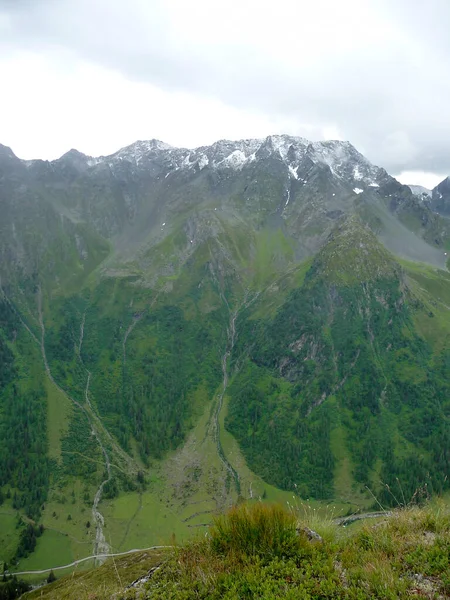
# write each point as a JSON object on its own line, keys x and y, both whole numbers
{"x": 390, "y": 100}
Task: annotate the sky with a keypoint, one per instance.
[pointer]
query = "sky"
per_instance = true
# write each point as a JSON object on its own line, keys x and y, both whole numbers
{"x": 97, "y": 75}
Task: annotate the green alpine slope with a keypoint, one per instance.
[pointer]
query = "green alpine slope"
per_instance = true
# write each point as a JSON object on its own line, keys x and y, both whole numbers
{"x": 342, "y": 384}
{"x": 181, "y": 330}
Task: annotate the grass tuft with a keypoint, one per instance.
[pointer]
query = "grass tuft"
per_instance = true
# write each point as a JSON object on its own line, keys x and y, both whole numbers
{"x": 264, "y": 530}
{"x": 255, "y": 551}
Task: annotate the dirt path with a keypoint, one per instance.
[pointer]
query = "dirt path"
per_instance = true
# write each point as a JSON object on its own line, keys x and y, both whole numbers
{"x": 93, "y": 557}
{"x": 352, "y": 518}
{"x": 338, "y": 521}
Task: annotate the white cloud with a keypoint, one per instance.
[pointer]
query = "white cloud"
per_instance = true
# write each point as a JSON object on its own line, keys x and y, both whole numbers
{"x": 190, "y": 72}
{"x": 97, "y": 111}
{"x": 428, "y": 180}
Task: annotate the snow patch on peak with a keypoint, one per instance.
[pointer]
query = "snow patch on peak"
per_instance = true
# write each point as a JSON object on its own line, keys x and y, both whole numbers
{"x": 283, "y": 143}
{"x": 235, "y": 160}
{"x": 357, "y": 173}
{"x": 358, "y": 190}
{"x": 162, "y": 159}
{"x": 135, "y": 152}
{"x": 293, "y": 172}
{"x": 92, "y": 161}
{"x": 333, "y": 154}
{"x": 149, "y": 145}
{"x": 419, "y": 190}
{"x": 187, "y": 161}
{"x": 345, "y": 161}
{"x": 203, "y": 161}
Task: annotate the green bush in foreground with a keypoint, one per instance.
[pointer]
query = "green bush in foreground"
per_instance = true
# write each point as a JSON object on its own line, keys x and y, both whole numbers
{"x": 254, "y": 551}
{"x": 263, "y": 530}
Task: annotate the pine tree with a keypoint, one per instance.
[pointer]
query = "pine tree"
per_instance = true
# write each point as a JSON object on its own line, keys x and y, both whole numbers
{"x": 51, "y": 578}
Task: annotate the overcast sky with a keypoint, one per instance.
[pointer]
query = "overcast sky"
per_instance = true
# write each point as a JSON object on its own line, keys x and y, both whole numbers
{"x": 97, "y": 75}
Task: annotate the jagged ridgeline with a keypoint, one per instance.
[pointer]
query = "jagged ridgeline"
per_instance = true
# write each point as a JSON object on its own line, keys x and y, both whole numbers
{"x": 179, "y": 328}
{"x": 338, "y": 387}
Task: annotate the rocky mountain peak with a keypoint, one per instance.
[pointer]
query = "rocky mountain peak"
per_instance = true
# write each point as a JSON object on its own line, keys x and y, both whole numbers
{"x": 420, "y": 191}
{"x": 444, "y": 186}
{"x": 7, "y": 153}
{"x": 440, "y": 197}
{"x": 346, "y": 162}
{"x": 157, "y": 159}
{"x": 76, "y": 159}
{"x": 140, "y": 149}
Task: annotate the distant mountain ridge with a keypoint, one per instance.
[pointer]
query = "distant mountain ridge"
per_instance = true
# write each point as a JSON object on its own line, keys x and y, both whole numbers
{"x": 225, "y": 154}
{"x": 233, "y": 154}
{"x": 133, "y": 194}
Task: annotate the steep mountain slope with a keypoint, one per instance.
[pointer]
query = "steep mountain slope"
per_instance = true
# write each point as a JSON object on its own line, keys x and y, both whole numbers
{"x": 139, "y": 196}
{"x": 440, "y": 198}
{"x": 147, "y": 293}
{"x": 339, "y": 383}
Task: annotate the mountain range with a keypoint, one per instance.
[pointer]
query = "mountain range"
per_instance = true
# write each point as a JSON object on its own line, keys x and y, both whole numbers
{"x": 180, "y": 329}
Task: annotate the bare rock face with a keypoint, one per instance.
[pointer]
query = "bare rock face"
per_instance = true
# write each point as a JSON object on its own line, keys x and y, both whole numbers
{"x": 440, "y": 198}
{"x": 312, "y": 536}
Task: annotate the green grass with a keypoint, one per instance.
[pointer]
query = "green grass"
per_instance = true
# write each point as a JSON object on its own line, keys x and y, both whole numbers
{"x": 275, "y": 294}
{"x": 64, "y": 500}
{"x": 432, "y": 287}
{"x": 273, "y": 250}
{"x": 254, "y": 552}
{"x": 58, "y": 414}
{"x": 53, "y": 549}
{"x": 102, "y": 582}
{"x": 343, "y": 477}
{"x": 265, "y": 552}
{"x": 135, "y": 521}
{"x": 9, "y": 534}
{"x": 264, "y": 530}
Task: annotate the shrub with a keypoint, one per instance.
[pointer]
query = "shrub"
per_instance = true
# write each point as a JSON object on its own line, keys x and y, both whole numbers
{"x": 265, "y": 530}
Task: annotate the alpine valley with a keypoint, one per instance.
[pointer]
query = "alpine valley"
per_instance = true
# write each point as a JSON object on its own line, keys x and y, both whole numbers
{"x": 181, "y": 329}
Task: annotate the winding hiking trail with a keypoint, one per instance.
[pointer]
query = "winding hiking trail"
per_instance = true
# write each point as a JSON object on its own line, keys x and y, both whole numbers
{"x": 93, "y": 557}
{"x": 340, "y": 521}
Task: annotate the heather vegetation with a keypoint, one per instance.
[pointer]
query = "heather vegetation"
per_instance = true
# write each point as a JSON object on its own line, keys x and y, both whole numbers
{"x": 267, "y": 551}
